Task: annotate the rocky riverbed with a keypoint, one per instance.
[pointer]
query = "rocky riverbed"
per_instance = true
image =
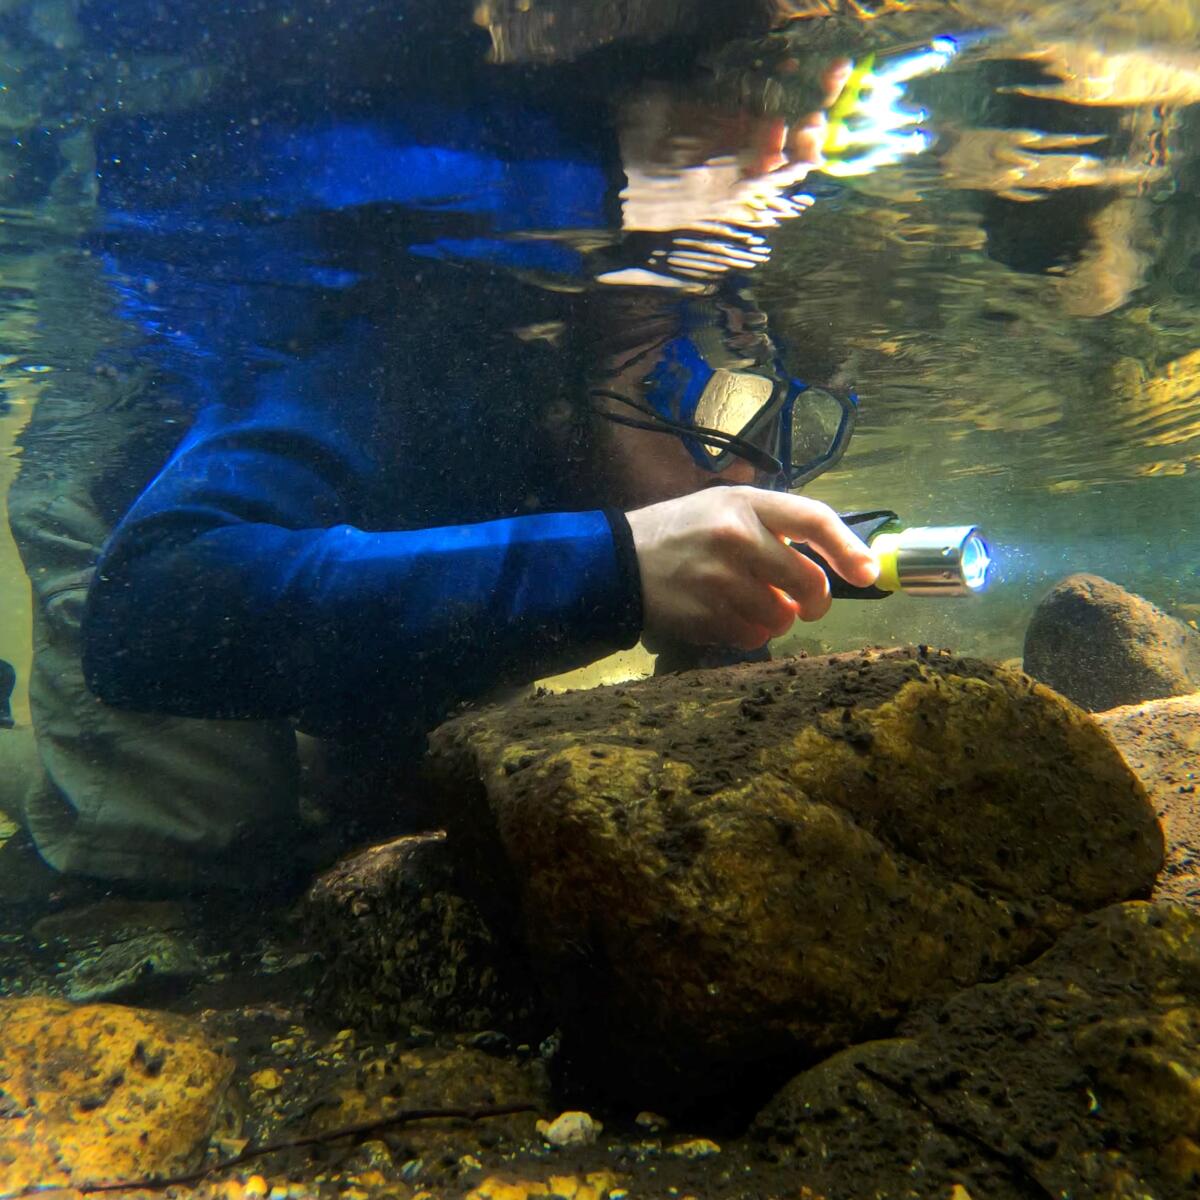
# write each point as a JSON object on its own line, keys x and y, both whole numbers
{"x": 896, "y": 923}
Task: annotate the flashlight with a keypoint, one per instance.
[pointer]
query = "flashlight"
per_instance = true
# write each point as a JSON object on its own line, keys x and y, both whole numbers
{"x": 923, "y": 560}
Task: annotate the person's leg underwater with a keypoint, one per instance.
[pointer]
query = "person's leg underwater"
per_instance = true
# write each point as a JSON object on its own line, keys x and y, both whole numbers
{"x": 123, "y": 796}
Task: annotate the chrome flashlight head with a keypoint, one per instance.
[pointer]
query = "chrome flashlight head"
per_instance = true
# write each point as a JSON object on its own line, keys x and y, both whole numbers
{"x": 933, "y": 560}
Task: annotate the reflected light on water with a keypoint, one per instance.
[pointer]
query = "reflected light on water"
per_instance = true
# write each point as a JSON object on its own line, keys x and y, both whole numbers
{"x": 879, "y": 126}
{"x": 692, "y": 168}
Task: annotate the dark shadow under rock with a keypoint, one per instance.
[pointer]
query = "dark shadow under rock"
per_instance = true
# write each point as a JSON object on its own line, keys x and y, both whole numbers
{"x": 1079, "y": 1075}
{"x": 1102, "y": 646}
{"x": 735, "y": 869}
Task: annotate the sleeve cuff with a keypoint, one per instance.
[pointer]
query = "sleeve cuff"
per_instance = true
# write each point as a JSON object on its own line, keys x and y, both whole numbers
{"x": 629, "y": 576}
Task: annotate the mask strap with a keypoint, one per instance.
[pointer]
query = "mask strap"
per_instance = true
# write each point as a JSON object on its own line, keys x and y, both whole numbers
{"x": 700, "y": 433}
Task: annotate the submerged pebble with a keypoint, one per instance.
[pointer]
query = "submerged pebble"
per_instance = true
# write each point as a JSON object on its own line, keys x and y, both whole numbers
{"x": 570, "y": 1129}
{"x": 694, "y": 1148}
{"x": 651, "y": 1121}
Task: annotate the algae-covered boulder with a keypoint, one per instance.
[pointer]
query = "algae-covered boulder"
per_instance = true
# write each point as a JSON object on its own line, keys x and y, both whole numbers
{"x": 1160, "y": 740}
{"x": 100, "y": 1093}
{"x": 1102, "y": 646}
{"x": 1078, "y": 1075}
{"x": 402, "y": 945}
{"x": 735, "y": 865}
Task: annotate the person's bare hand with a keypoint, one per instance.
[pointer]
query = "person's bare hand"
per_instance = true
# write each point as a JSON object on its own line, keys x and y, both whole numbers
{"x": 716, "y": 569}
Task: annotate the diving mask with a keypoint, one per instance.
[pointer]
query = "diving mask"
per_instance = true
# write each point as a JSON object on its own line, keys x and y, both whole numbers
{"x": 787, "y": 430}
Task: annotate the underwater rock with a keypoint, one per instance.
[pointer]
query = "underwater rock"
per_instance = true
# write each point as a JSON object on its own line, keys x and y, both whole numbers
{"x": 570, "y": 1129}
{"x": 402, "y": 945}
{"x": 595, "y": 1185}
{"x": 139, "y": 967}
{"x": 747, "y": 865}
{"x": 295, "y": 1079}
{"x": 1160, "y": 740}
{"x": 125, "y": 949}
{"x": 1103, "y": 647}
{"x": 102, "y": 1092}
{"x": 1078, "y": 1075}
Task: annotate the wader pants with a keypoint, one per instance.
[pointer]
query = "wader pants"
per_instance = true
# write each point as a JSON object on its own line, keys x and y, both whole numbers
{"x": 124, "y": 795}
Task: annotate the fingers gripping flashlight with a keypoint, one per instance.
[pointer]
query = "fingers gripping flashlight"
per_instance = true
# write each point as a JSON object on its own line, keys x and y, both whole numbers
{"x": 933, "y": 560}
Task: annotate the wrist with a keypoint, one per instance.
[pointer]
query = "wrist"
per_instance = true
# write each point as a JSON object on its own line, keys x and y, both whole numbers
{"x": 629, "y": 574}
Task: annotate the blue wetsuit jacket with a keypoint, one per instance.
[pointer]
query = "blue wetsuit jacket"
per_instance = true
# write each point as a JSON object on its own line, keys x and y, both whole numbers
{"x": 280, "y": 563}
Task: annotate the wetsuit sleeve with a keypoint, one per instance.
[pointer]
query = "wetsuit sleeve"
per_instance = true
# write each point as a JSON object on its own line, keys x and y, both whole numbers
{"x": 240, "y": 584}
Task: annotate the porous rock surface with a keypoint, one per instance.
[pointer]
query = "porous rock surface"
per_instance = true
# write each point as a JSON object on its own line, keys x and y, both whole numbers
{"x": 402, "y": 944}
{"x": 101, "y": 1092}
{"x": 1078, "y": 1075}
{"x": 1104, "y": 647}
{"x": 775, "y": 860}
{"x": 1160, "y": 740}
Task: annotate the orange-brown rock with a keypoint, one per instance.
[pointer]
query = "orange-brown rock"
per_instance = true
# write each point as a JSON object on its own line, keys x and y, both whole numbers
{"x": 729, "y": 867}
{"x": 1160, "y": 740}
{"x": 101, "y": 1092}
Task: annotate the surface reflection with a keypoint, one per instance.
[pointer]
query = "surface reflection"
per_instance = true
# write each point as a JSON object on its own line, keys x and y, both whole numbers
{"x": 694, "y": 168}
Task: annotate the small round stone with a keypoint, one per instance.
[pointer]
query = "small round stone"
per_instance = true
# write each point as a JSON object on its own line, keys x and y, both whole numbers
{"x": 570, "y": 1129}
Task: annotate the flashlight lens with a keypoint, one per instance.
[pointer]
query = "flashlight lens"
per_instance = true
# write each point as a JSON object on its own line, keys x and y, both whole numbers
{"x": 976, "y": 562}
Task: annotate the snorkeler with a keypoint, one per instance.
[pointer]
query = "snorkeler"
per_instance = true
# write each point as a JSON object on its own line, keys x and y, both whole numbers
{"x": 288, "y": 561}
{"x": 373, "y": 442}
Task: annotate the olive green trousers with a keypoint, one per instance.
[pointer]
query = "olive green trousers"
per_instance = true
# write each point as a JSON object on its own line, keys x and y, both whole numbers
{"x": 118, "y": 795}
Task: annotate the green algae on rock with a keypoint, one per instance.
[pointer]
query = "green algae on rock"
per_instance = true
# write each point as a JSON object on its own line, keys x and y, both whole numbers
{"x": 1160, "y": 740}
{"x": 771, "y": 861}
{"x": 128, "y": 950}
{"x": 1077, "y": 1075}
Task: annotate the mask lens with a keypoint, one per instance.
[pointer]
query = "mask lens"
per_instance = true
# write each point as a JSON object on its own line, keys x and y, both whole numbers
{"x": 731, "y": 401}
{"x": 821, "y": 426}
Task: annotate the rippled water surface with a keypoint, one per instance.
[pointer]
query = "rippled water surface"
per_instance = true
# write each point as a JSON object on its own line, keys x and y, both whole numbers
{"x": 1018, "y": 308}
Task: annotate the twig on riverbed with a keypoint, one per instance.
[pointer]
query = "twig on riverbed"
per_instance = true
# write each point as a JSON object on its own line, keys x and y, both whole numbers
{"x": 358, "y": 1130}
